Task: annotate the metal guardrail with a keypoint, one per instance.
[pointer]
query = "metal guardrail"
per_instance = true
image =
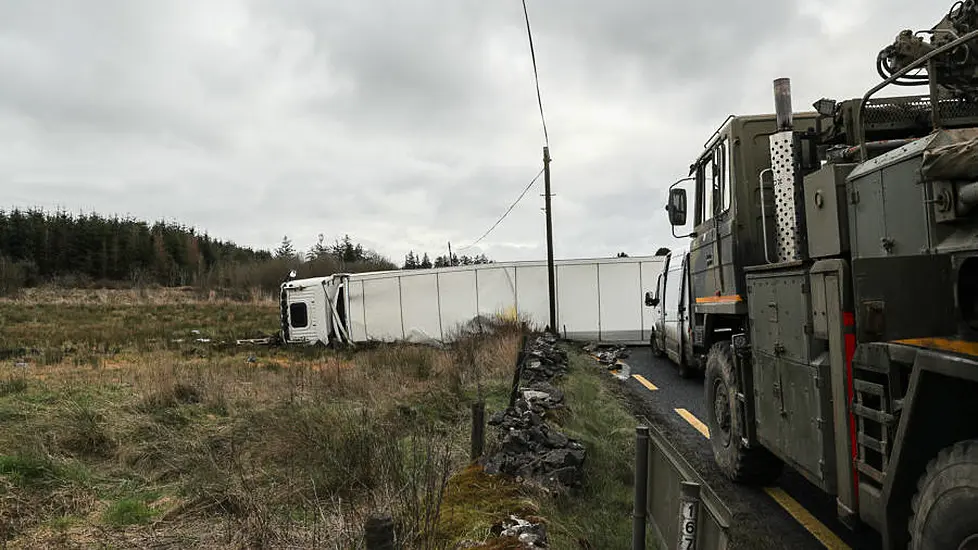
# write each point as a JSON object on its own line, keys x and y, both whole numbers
{"x": 683, "y": 511}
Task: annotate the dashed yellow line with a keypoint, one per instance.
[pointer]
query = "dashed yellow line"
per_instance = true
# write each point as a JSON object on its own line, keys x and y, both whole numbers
{"x": 694, "y": 422}
{"x": 806, "y": 519}
{"x": 641, "y": 380}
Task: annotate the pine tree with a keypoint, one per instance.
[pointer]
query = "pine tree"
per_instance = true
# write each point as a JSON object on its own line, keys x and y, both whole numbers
{"x": 285, "y": 250}
{"x": 410, "y": 261}
{"x": 425, "y": 262}
{"x": 319, "y": 250}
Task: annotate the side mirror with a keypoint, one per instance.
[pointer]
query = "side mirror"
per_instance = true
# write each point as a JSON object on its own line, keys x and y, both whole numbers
{"x": 651, "y": 300}
{"x": 677, "y": 206}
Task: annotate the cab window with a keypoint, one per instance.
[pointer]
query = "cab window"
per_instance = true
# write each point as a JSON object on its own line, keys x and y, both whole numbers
{"x": 712, "y": 184}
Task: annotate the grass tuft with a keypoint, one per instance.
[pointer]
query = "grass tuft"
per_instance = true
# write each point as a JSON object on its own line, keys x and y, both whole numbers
{"x": 128, "y": 511}
{"x": 12, "y": 386}
{"x": 28, "y": 471}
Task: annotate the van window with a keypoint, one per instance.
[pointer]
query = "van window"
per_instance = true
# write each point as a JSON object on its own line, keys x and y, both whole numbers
{"x": 298, "y": 315}
{"x": 673, "y": 285}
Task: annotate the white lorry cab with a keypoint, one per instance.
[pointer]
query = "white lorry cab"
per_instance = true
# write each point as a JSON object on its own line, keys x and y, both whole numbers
{"x": 670, "y": 303}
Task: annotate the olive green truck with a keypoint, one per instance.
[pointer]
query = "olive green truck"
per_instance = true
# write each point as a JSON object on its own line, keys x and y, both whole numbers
{"x": 833, "y": 292}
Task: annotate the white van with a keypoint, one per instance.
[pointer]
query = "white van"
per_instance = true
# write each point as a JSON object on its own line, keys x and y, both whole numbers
{"x": 670, "y": 301}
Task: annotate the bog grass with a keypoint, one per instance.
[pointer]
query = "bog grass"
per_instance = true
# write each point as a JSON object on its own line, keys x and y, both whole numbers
{"x": 118, "y": 429}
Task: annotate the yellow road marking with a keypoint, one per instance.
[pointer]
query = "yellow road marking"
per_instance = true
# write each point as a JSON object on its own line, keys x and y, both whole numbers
{"x": 694, "y": 422}
{"x": 641, "y": 380}
{"x": 811, "y": 524}
{"x": 806, "y": 519}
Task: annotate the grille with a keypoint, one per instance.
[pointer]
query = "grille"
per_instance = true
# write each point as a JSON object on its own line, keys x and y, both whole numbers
{"x": 899, "y": 112}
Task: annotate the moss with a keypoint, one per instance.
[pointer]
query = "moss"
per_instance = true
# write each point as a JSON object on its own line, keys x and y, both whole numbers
{"x": 474, "y": 501}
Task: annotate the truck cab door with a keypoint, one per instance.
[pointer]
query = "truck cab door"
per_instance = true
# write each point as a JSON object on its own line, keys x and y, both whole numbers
{"x": 711, "y": 251}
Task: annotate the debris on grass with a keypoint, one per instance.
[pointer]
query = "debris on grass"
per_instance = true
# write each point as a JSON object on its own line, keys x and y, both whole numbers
{"x": 606, "y": 354}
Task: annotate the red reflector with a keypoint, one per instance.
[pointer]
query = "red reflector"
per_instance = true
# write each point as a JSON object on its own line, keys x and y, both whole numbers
{"x": 849, "y": 320}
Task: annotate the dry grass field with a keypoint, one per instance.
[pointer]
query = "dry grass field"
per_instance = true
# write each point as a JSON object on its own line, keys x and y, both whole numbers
{"x": 119, "y": 430}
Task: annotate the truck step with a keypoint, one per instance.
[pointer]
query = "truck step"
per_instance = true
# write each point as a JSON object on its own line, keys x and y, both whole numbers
{"x": 881, "y": 417}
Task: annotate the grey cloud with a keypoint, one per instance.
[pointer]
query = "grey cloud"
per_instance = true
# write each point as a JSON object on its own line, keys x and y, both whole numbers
{"x": 403, "y": 123}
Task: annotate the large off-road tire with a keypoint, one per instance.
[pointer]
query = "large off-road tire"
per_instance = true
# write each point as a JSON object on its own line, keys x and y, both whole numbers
{"x": 945, "y": 508}
{"x": 754, "y": 465}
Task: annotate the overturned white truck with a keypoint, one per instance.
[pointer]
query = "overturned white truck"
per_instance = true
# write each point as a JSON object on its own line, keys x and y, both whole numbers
{"x": 597, "y": 299}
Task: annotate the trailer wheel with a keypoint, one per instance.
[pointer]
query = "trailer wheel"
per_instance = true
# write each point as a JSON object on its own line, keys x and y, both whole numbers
{"x": 945, "y": 508}
{"x": 754, "y": 465}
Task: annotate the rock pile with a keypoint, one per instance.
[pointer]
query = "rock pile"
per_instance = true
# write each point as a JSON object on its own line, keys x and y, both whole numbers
{"x": 529, "y": 447}
{"x": 532, "y": 535}
{"x": 606, "y": 354}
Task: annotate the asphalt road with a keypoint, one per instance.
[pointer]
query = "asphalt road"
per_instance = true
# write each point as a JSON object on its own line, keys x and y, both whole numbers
{"x": 804, "y": 517}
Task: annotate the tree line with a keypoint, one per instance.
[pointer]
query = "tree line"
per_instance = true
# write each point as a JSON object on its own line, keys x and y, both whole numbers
{"x": 38, "y": 246}
{"x": 415, "y": 261}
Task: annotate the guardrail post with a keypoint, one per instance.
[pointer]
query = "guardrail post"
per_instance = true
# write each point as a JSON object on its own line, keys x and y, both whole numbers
{"x": 641, "y": 487}
{"x": 689, "y": 512}
{"x": 478, "y": 429}
{"x": 378, "y": 532}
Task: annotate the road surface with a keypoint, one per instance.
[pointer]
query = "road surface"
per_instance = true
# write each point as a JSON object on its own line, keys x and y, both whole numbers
{"x": 792, "y": 514}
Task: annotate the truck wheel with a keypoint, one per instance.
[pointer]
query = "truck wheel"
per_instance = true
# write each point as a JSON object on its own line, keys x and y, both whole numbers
{"x": 945, "y": 508}
{"x": 654, "y": 344}
{"x": 754, "y": 465}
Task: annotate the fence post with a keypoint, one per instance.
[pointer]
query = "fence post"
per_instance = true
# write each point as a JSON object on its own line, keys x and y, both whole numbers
{"x": 518, "y": 372}
{"x": 378, "y": 532}
{"x": 478, "y": 429}
{"x": 641, "y": 487}
{"x": 689, "y": 512}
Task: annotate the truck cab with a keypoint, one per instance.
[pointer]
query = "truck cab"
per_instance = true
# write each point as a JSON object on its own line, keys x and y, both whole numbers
{"x": 733, "y": 216}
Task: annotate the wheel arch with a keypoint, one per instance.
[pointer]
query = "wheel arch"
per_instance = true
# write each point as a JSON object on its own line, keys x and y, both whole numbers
{"x": 937, "y": 413}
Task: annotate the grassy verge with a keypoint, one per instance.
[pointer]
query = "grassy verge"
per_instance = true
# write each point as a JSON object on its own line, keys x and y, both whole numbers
{"x": 598, "y": 515}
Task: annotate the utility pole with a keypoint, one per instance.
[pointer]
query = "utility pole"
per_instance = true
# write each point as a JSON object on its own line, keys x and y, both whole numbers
{"x": 550, "y": 241}
{"x": 451, "y": 262}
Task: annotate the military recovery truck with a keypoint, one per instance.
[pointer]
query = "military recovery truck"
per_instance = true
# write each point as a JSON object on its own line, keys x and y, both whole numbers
{"x": 834, "y": 275}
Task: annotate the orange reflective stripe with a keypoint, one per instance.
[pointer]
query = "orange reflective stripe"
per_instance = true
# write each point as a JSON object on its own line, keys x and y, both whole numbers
{"x": 719, "y": 299}
{"x": 963, "y": 347}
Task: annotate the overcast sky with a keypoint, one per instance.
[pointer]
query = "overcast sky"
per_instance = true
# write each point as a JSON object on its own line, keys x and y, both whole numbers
{"x": 405, "y": 123}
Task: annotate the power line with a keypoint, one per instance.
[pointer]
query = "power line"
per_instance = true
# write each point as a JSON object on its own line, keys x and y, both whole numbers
{"x": 506, "y": 213}
{"x": 536, "y": 76}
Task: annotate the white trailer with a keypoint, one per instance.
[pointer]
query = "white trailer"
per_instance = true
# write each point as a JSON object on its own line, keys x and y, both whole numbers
{"x": 597, "y": 300}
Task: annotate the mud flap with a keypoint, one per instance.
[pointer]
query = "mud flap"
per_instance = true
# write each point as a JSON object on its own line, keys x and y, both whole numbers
{"x": 667, "y": 472}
